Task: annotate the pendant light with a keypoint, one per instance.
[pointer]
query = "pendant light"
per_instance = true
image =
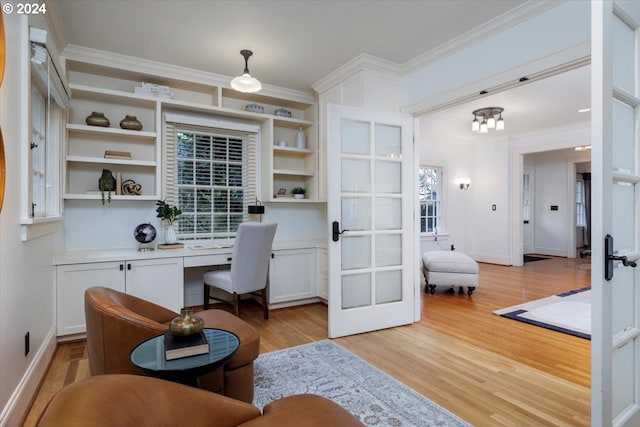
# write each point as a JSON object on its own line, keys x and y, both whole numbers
{"x": 246, "y": 83}
{"x": 487, "y": 118}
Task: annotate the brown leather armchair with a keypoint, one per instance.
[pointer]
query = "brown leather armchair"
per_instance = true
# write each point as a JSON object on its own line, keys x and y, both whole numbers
{"x": 117, "y": 322}
{"x": 137, "y": 401}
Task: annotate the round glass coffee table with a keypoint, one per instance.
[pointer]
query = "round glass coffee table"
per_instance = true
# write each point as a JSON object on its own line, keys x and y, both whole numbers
{"x": 149, "y": 358}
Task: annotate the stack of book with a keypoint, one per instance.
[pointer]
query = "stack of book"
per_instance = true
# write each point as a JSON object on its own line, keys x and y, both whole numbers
{"x": 176, "y": 347}
{"x": 112, "y": 154}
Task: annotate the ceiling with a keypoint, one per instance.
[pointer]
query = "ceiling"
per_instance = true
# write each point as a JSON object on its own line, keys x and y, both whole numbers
{"x": 296, "y": 43}
{"x": 549, "y": 103}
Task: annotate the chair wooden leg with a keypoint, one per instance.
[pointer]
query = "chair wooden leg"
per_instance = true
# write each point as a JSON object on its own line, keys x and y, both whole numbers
{"x": 236, "y": 301}
{"x": 265, "y": 305}
{"x": 207, "y": 291}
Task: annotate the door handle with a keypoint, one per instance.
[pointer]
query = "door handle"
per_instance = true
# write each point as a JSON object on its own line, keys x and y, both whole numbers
{"x": 609, "y": 258}
{"x": 336, "y": 231}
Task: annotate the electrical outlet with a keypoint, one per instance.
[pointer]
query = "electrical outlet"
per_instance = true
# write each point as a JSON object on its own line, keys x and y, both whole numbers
{"x": 26, "y": 343}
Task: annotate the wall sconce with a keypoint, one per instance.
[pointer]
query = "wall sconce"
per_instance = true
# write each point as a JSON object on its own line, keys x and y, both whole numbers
{"x": 464, "y": 183}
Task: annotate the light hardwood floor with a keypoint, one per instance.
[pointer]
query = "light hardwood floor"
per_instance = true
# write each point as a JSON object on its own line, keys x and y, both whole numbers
{"x": 489, "y": 370}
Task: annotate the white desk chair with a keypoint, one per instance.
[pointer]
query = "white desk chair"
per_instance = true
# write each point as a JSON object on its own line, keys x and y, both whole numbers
{"x": 249, "y": 271}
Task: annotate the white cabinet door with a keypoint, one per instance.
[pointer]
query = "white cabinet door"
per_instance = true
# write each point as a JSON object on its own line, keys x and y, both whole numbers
{"x": 160, "y": 281}
{"x": 323, "y": 274}
{"x": 292, "y": 275}
{"x": 72, "y": 281}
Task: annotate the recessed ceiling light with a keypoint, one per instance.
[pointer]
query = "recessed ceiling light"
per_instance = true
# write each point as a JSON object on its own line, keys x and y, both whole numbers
{"x": 584, "y": 110}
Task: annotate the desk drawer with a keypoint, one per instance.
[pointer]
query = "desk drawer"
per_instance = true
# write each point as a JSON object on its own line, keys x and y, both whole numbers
{"x": 204, "y": 260}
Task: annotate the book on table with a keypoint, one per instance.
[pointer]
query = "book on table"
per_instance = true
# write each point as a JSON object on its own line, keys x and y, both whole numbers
{"x": 176, "y": 347}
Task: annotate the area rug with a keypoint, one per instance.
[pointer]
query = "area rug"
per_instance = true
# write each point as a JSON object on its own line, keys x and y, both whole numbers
{"x": 327, "y": 369}
{"x": 569, "y": 312}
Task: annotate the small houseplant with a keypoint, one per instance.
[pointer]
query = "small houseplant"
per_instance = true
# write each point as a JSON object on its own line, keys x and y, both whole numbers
{"x": 169, "y": 214}
{"x": 298, "y": 192}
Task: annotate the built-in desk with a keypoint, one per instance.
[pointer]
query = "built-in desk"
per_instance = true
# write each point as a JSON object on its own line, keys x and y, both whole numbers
{"x": 173, "y": 277}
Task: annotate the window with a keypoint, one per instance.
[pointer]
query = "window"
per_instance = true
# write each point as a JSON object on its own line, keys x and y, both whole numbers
{"x": 49, "y": 101}
{"x": 211, "y": 178}
{"x": 429, "y": 179}
{"x": 581, "y": 212}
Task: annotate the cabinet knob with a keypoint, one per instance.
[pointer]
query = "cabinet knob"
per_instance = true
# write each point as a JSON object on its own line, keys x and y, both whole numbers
{"x": 229, "y": 259}
{"x": 121, "y": 267}
{"x": 128, "y": 266}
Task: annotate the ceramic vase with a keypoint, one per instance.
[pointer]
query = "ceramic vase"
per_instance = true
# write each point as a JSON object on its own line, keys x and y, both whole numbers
{"x": 301, "y": 142}
{"x": 97, "y": 119}
{"x": 170, "y": 235}
{"x": 187, "y": 323}
{"x": 131, "y": 123}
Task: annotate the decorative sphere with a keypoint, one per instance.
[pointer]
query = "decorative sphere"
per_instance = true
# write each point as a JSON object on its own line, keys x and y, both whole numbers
{"x": 145, "y": 233}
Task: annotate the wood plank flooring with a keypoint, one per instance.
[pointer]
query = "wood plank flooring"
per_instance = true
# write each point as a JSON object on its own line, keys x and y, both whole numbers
{"x": 489, "y": 370}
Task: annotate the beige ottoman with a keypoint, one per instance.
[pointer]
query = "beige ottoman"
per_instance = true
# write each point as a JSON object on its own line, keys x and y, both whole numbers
{"x": 449, "y": 268}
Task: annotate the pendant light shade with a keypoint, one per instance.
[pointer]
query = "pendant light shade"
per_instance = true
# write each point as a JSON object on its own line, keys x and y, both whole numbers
{"x": 245, "y": 82}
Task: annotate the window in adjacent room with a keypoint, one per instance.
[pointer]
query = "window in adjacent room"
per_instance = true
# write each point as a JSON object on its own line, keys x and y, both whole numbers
{"x": 211, "y": 176}
{"x": 581, "y": 212}
{"x": 429, "y": 182}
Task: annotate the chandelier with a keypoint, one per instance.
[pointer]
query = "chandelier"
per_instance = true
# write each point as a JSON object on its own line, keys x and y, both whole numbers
{"x": 487, "y": 118}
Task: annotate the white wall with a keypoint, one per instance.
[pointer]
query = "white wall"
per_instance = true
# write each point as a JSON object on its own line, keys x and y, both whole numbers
{"x": 26, "y": 274}
{"x": 554, "y": 185}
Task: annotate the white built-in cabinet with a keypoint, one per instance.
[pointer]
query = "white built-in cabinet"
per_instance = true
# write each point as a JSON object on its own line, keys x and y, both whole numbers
{"x": 103, "y": 88}
{"x": 157, "y": 280}
{"x": 323, "y": 273}
{"x": 292, "y": 275}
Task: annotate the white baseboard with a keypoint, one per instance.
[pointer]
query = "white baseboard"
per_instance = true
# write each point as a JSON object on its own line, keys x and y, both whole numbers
{"x": 492, "y": 259}
{"x": 550, "y": 252}
{"x": 18, "y": 404}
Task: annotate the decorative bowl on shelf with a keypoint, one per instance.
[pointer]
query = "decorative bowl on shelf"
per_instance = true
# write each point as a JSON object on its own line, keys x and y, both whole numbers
{"x": 97, "y": 119}
{"x": 281, "y": 112}
{"x": 254, "y": 108}
{"x": 131, "y": 123}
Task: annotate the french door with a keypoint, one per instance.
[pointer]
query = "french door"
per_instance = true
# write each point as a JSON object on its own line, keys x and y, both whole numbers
{"x": 371, "y": 204}
{"x": 615, "y": 127}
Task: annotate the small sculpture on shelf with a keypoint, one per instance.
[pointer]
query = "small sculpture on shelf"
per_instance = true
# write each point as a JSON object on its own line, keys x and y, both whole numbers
{"x": 97, "y": 119}
{"x": 131, "y": 123}
{"x": 106, "y": 182}
{"x": 131, "y": 188}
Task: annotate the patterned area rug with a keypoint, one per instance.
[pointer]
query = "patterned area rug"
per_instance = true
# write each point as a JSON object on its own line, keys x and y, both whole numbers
{"x": 327, "y": 369}
{"x": 569, "y": 312}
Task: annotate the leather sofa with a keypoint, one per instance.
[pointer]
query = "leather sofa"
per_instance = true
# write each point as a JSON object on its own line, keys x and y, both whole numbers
{"x": 138, "y": 401}
{"x": 117, "y": 322}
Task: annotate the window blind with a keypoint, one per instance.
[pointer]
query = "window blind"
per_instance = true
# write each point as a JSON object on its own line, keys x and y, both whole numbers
{"x": 210, "y": 137}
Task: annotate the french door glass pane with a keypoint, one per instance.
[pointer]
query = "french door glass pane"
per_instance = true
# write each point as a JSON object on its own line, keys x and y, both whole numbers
{"x": 355, "y": 137}
{"x": 388, "y": 141}
{"x": 388, "y": 286}
{"x": 624, "y": 300}
{"x": 623, "y": 136}
{"x": 356, "y": 290}
{"x": 388, "y": 250}
{"x": 356, "y": 252}
{"x": 623, "y": 224}
{"x": 388, "y": 213}
{"x": 356, "y": 176}
{"x": 623, "y": 56}
{"x": 388, "y": 177}
{"x": 356, "y": 213}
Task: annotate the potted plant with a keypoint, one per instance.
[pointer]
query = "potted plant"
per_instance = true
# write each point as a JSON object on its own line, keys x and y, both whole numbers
{"x": 298, "y": 192}
{"x": 169, "y": 214}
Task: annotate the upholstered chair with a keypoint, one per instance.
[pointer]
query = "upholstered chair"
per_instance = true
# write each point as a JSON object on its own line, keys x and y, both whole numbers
{"x": 137, "y": 401}
{"x": 117, "y": 322}
{"x": 249, "y": 273}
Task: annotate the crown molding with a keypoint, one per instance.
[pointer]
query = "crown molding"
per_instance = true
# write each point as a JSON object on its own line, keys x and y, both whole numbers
{"x": 508, "y": 19}
{"x": 153, "y": 68}
{"x": 361, "y": 62}
{"x": 54, "y": 22}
